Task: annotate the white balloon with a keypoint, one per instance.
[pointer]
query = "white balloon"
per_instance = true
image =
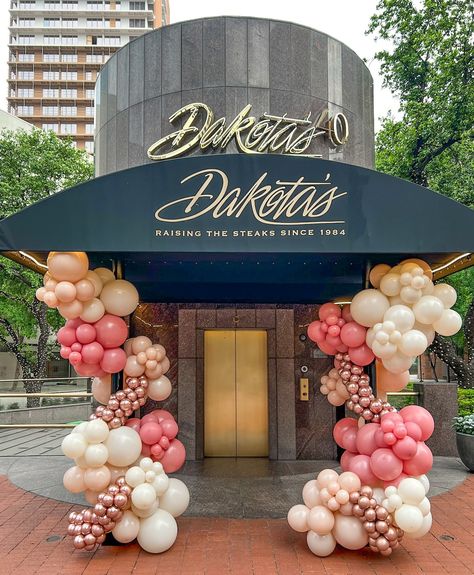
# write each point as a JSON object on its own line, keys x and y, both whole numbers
{"x": 135, "y": 476}
{"x": 446, "y": 293}
{"x": 394, "y": 501}
{"x": 428, "y": 309}
{"x": 411, "y": 491}
{"x": 401, "y": 316}
{"x": 96, "y": 455}
{"x": 124, "y": 445}
{"x": 159, "y": 389}
{"x": 175, "y": 500}
{"x": 396, "y": 300}
{"x": 96, "y": 431}
{"x": 427, "y": 330}
{"x": 321, "y": 545}
{"x": 73, "y": 479}
{"x": 158, "y": 532}
{"x": 74, "y": 445}
{"x": 426, "y": 482}
{"x": 370, "y": 336}
{"x": 143, "y": 496}
{"x": 429, "y": 287}
{"x": 384, "y": 351}
{"x": 424, "y": 506}
{"x": 409, "y": 518}
{"x": 390, "y": 284}
{"x": 423, "y": 530}
{"x": 146, "y": 463}
{"x": 311, "y": 496}
{"x": 413, "y": 343}
{"x": 368, "y": 307}
{"x": 80, "y": 428}
{"x": 126, "y": 530}
{"x": 378, "y": 494}
{"x": 143, "y": 513}
{"x": 161, "y": 484}
{"x": 449, "y": 323}
{"x": 410, "y": 295}
{"x": 398, "y": 363}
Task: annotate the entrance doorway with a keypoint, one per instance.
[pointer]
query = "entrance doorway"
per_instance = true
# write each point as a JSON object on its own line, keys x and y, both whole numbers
{"x": 235, "y": 393}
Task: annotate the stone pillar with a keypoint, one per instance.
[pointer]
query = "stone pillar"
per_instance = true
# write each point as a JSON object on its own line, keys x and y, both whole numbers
{"x": 441, "y": 400}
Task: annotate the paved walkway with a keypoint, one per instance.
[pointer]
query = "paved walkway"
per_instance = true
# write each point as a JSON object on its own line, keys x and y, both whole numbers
{"x": 32, "y": 542}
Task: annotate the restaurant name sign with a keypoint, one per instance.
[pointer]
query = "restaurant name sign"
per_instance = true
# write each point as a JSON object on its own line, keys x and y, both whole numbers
{"x": 268, "y": 134}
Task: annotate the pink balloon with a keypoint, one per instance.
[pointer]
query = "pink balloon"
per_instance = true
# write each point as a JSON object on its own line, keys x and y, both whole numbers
{"x": 413, "y": 430}
{"x": 346, "y": 459}
{"x": 161, "y": 414}
{"x": 341, "y": 427}
{"x": 361, "y": 355}
{"x": 353, "y": 334}
{"x": 170, "y": 428}
{"x": 151, "y": 432}
{"x": 65, "y": 352}
{"x": 174, "y": 456}
{"x": 349, "y": 440}
{"x": 111, "y": 330}
{"x": 75, "y": 357}
{"x": 343, "y": 349}
{"x": 87, "y": 370}
{"x": 66, "y": 336}
{"x": 74, "y": 323}
{"x": 405, "y": 448}
{"x": 395, "y": 481}
{"x": 346, "y": 313}
{"x": 378, "y": 438}
{"x": 326, "y": 348}
{"x": 85, "y": 333}
{"x": 332, "y": 320}
{"x": 333, "y": 341}
{"x": 149, "y": 417}
{"x": 421, "y": 463}
{"x": 385, "y": 464}
{"x": 420, "y": 416}
{"x": 134, "y": 423}
{"x": 365, "y": 441}
{"x": 329, "y": 309}
{"x": 360, "y": 465}
{"x": 76, "y": 346}
{"x": 92, "y": 353}
{"x": 146, "y": 450}
{"x": 314, "y": 332}
{"x": 114, "y": 360}
{"x": 334, "y": 330}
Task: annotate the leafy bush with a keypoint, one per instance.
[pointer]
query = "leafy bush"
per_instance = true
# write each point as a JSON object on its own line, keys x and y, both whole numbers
{"x": 465, "y": 401}
{"x": 14, "y": 405}
{"x": 464, "y": 424}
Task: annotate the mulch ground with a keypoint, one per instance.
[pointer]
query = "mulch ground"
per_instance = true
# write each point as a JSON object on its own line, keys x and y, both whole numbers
{"x": 33, "y": 541}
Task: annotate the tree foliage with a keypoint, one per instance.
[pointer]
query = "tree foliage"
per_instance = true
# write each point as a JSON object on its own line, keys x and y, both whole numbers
{"x": 430, "y": 68}
{"x": 33, "y": 166}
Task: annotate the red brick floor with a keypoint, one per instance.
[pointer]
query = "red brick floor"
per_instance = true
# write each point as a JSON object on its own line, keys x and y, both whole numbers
{"x": 32, "y": 541}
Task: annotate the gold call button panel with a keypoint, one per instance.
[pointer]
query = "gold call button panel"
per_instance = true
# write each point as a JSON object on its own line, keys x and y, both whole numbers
{"x": 304, "y": 389}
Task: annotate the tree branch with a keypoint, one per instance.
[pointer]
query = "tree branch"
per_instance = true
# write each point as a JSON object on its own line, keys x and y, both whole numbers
{"x": 17, "y": 274}
{"x": 24, "y": 302}
{"x": 13, "y": 347}
{"x": 469, "y": 332}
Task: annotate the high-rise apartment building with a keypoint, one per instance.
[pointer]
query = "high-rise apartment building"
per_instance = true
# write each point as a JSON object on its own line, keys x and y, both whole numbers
{"x": 56, "y": 50}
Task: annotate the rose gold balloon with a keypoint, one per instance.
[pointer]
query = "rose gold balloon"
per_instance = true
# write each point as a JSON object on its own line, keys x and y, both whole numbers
{"x": 142, "y": 401}
{"x": 352, "y": 388}
{"x": 101, "y": 539}
{"x": 369, "y": 526}
{"x": 364, "y": 402}
{"x": 132, "y": 382}
{"x": 382, "y": 544}
{"x": 113, "y": 404}
{"x": 121, "y": 482}
{"x": 386, "y": 552}
{"x": 113, "y": 512}
{"x": 391, "y": 534}
{"x": 108, "y": 501}
{"x": 79, "y": 519}
{"x": 376, "y": 418}
{"x": 113, "y": 489}
{"x": 126, "y": 490}
{"x": 358, "y": 409}
{"x": 120, "y": 500}
{"x": 354, "y": 497}
{"x": 370, "y": 514}
{"x": 367, "y": 491}
{"x": 357, "y": 511}
{"x": 86, "y": 528}
{"x": 89, "y": 539}
{"x": 100, "y": 510}
{"x": 120, "y": 395}
{"x": 115, "y": 423}
{"x": 355, "y": 398}
{"x": 108, "y": 528}
{"x": 107, "y": 415}
{"x": 382, "y": 513}
{"x": 381, "y": 526}
{"x": 104, "y": 521}
{"x": 350, "y": 405}
{"x": 78, "y": 542}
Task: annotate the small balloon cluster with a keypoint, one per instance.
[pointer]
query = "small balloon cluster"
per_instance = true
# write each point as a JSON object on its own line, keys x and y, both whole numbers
{"x": 93, "y": 349}
{"x": 123, "y": 403}
{"x": 336, "y": 331}
{"x": 145, "y": 358}
{"x": 410, "y": 505}
{"x": 158, "y": 431}
{"x": 90, "y": 526}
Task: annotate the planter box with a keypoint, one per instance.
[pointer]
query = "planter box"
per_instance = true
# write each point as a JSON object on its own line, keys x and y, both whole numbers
{"x": 465, "y": 444}
{"x": 51, "y": 414}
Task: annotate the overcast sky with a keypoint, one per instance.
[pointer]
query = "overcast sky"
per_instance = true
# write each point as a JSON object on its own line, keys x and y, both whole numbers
{"x": 345, "y": 20}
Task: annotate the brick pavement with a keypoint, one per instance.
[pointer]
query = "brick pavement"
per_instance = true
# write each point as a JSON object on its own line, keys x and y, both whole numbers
{"x": 32, "y": 542}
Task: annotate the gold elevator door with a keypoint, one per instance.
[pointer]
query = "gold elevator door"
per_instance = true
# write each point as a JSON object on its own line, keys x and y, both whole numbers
{"x": 235, "y": 393}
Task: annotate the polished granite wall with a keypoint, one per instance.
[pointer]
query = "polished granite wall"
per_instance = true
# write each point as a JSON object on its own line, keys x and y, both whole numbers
{"x": 297, "y": 429}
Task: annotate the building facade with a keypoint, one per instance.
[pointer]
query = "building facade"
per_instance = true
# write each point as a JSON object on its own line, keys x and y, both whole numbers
{"x": 56, "y": 49}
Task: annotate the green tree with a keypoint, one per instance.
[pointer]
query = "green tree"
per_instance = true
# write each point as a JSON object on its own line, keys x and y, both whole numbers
{"x": 33, "y": 166}
{"x": 430, "y": 68}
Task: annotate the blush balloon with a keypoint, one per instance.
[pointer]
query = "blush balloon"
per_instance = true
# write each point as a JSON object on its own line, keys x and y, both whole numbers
{"x": 346, "y": 459}
{"x": 314, "y": 332}
{"x": 365, "y": 441}
{"x": 150, "y": 432}
{"x": 421, "y": 463}
{"x": 353, "y": 334}
{"x": 170, "y": 428}
{"x": 341, "y": 427}
{"x": 329, "y": 309}
{"x": 85, "y": 333}
{"x": 174, "y": 456}
{"x": 92, "y": 353}
{"x": 405, "y": 448}
{"x": 361, "y": 355}
{"x": 422, "y": 417}
{"x": 66, "y": 336}
{"x": 385, "y": 464}
{"x": 113, "y": 360}
{"x": 360, "y": 465}
{"x": 349, "y": 440}
{"x": 326, "y": 348}
{"x": 134, "y": 423}
{"x": 111, "y": 331}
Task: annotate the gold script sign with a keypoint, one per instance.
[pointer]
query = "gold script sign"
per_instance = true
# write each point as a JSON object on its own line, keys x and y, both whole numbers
{"x": 292, "y": 136}
{"x": 283, "y": 203}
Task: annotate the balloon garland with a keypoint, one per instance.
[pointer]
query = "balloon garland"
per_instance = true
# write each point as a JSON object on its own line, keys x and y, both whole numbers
{"x": 381, "y": 496}
{"x": 121, "y": 464}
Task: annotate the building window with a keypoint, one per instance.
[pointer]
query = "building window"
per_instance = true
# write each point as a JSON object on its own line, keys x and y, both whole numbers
{"x": 52, "y": 23}
{"x": 68, "y": 75}
{"x": 137, "y": 23}
{"x": 137, "y": 5}
{"x": 69, "y": 22}
{"x": 89, "y": 129}
{"x": 26, "y": 57}
{"x": 68, "y": 129}
{"x": 68, "y": 110}
{"x": 94, "y": 58}
{"x": 90, "y": 94}
{"x": 72, "y": 58}
{"x": 25, "y": 110}
{"x": 27, "y": 5}
{"x": 108, "y": 41}
{"x": 51, "y": 57}
{"x": 69, "y": 5}
{"x": 26, "y": 22}
{"x": 68, "y": 93}
{"x": 69, "y": 40}
{"x": 51, "y": 5}
{"x": 89, "y": 146}
{"x": 50, "y": 110}
{"x": 95, "y": 6}
{"x": 49, "y": 75}
{"x": 50, "y": 92}
{"x": 25, "y": 92}
{"x": 89, "y": 110}
{"x": 90, "y": 76}
{"x": 49, "y": 40}
{"x": 26, "y": 74}
{"x": 51, "y": 128}
{"x": 22, "y": 39}
{"x": 94, "y": 23}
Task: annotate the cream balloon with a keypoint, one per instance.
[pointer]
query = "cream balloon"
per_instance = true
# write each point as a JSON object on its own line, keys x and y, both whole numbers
{"x": 423, "y": 530}
{"x": 402, "y": 316}
{"x": 297, "y": 518}
{"x": 413, "y": 343}
{"x": 427, "y": 330}
{"x": 368, "y": 307}
{"x": 159, "y": 389}
{"x": 158, "y": 532}
{"x": 428, "y": 289}
{"x": 425, "y": 481}
{"x": 135, "y": 476}
{"x": 410, "y": 295}
{"x": 446, "y": 293}
{"x": 384, "y": 351}
{"x": 67, "y": 266}
{"x": 349, "y": 532}
{"x": 80, "y": 428}
{"x": 126, "y": 530}
{"x": 124, "y": 445}
{"x": 321, "y": 545}
{"x": 97, "y": 478}
{"x": 74, "y": 445}
{"x": 398, "y": 363}
{"x": 409, "y": 518}
{"x": 428, "y": 309}
{"x": 349, "y": 481}
{"x": 102, "y": 388}
{"x": 105, "y": 275}
{"x": 320, "y": 520}
{"x": 92, "y": 310}
{"x": 161, "y": 484}
{"x": 73, "y": 479}
{"x": 95, "y": 280}
{"x": 449, "y": 323}
{"x": 411, "y": 491}
{"x": 119, "y": 297}
{"x": 377, "y": 273}
{"x": 421, "y": 263}
{"x": 96, "y": 431}
{"x": 143, "y": 496}
{"x": 424, "y": 506}
{"x": 96, "y": 454}
{"x": 143, "y": 513}
{"x": 390, "y": 284}
{"x": 175, "y": 499}
{"x": 133, "y": 368}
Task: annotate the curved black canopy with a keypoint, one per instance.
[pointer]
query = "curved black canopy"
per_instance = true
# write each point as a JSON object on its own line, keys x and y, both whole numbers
{"x": 214, "y": 219}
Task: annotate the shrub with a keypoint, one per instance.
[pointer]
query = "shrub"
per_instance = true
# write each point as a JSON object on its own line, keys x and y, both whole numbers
{"x": 465, "y": 401}
{"x": 14, "y": 405}
{"x": 464, "y": 424}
